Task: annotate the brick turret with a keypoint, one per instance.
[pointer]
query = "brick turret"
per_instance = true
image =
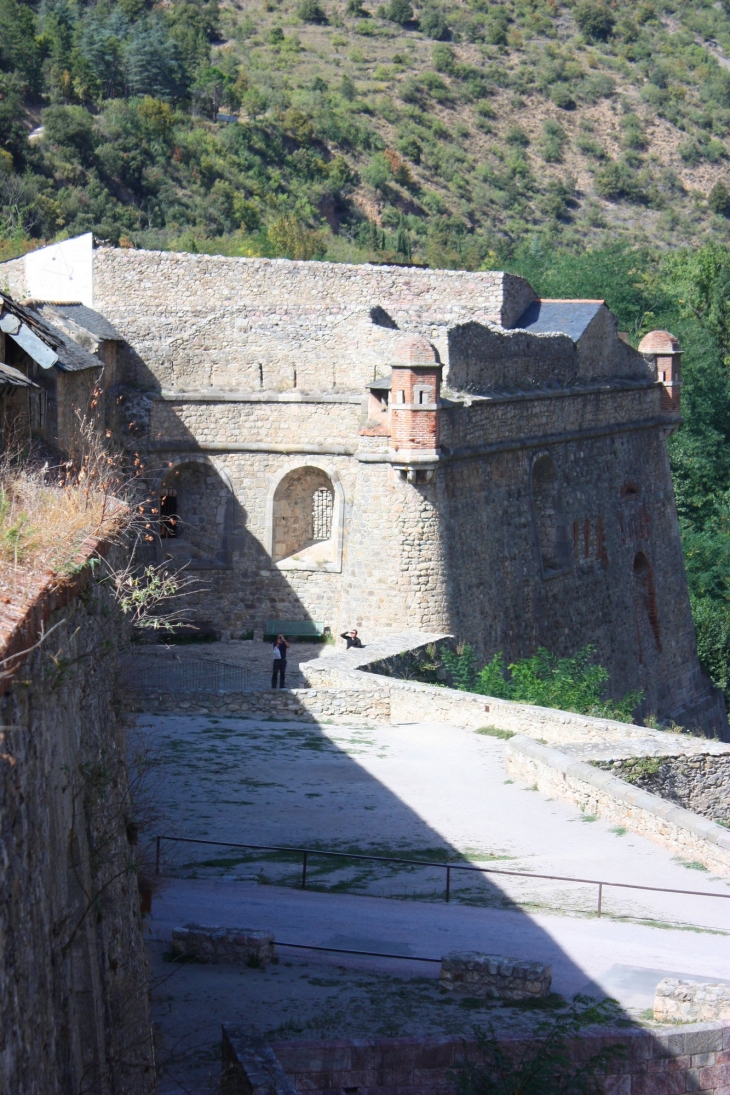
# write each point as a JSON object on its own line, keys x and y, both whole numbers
{"x": 414, "y": 406}
{"x": 662, "y": 349}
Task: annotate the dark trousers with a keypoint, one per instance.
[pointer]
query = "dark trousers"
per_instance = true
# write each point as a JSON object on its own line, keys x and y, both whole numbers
{"x": 280, "y": 672}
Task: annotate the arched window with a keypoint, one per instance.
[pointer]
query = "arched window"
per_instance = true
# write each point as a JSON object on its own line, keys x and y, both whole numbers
{"x": 645, "y": 601}
{"x": 548, "y": 516}
{"x": 306, "y": 521}
{"x": 196, "y": 515}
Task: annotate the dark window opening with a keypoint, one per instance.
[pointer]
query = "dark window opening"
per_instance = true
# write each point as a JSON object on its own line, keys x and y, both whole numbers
{"x": 547, "y": 507}
{"x": 322, "y": 501}
{"x": 645, "y": 599}
{"x": 168, "y": 515}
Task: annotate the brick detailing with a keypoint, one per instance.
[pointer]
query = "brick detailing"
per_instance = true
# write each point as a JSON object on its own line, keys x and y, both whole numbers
{"x": 662, "y": 349}
{"x": 415, "y": 394}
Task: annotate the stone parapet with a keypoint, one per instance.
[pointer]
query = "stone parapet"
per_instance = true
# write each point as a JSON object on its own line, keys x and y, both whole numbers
{"x": 215, "y": 944}
{"x": 492, "y": 975}
{"x": 678, "y": 1001}
{"x": 249, "y": 1065}
{"x": 293, "y": 703}
{"x": 694, "y": 1058}
{"x": 597, "y": 792}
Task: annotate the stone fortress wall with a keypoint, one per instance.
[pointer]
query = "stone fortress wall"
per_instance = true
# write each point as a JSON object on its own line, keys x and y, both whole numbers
{"x": 543, "y": 516}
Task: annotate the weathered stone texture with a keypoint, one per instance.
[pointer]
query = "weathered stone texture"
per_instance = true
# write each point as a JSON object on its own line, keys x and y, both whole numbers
{"x": 215, "y": 944}
{"x": 595, "y": 792}
{"x": 700, "y": 783}
{"x": 197, "y": 320}
{"x": 531, "y": 506}
{"x": 315, "y": 703}
{"x": 493, "y": 975}
{"x": 653, "y": 1062}
{"x": 678, "y": 1001}
{"x": 73, "y": 993}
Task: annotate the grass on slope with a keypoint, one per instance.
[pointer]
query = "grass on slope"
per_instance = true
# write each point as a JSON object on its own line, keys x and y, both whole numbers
{"x": 447, "y": 134}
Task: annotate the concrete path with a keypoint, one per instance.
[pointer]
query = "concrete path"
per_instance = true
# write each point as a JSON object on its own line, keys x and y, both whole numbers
{"x": 419, "y": 790}
{"x": 597, "y": 957}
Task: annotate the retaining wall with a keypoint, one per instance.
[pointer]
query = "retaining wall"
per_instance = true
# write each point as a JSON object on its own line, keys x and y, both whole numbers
{"x": 598, "y": 792}
{"x": 74, "y": 1013}
{"x": 700, "y": 783}
{"x": 294, "y": 703}
{"x": 661, "y": 1062}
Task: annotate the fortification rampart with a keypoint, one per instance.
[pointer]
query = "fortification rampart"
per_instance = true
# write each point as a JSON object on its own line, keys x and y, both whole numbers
{"x": 73, "y": 992}
{"x": 386, "y": 447}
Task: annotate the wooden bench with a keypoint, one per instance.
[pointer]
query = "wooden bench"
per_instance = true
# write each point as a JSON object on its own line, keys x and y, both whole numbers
{"x": 295, "y": 629}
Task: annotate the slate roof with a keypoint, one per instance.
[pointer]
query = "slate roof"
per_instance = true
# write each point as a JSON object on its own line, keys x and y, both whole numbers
{"x": 72, "y": 358}
{"x": 562, "y": 317}
{"x": 13, "y": 378}
{"x": 92, "y": 321}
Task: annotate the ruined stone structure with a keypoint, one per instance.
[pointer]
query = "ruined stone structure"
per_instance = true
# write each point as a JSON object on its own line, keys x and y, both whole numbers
{"x": 392, "y": 448}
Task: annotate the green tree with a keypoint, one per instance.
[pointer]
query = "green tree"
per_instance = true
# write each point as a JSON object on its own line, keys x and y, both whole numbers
{"x": 433, "y": 23}
{"x": 399, "y": 11}
{"x": 595, "y": 19}
{"x": 311, "y": 11}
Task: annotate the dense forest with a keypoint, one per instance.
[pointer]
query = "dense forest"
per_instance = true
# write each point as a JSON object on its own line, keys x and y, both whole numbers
{"x": 582, "y": 144}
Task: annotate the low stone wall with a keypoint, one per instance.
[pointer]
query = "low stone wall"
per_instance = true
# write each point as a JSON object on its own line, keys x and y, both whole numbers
{"x": 691, "y": 1002}
{"x": 493, "y": 975}
{"x": 411, "y": 700}
{"x": 214, "y": 944}
{"x": 294, "y": 703}
{"x": 700, "y": 783}
{"x": 597, "y": 792}
{"x": 249, "y": 1065}
{"x": 695, "y": 1058}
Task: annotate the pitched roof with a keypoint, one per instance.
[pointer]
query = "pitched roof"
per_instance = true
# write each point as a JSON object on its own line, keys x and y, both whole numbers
{"x": 70, "y": 356}
{"x": 13, "y": 378}
{"x": 561, "y": 317}
{"x": 84, "y": 316}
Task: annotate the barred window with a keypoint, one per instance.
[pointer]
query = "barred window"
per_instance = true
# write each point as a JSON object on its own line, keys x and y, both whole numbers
{"x": 322, "y": 514}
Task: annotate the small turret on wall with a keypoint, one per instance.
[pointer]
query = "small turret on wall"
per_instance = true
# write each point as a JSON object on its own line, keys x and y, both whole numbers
{"x": 414, "y": 410}
{"x": 661, "y": 349}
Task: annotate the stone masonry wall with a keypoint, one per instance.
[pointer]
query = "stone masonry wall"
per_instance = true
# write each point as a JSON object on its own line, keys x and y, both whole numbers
{"x": 73, "y": 993}
{"x": 699, "y": 783}
{"x": 655, "y": 1062}
{"x": 251, "y": 323}
{"x": 595, "y": 792}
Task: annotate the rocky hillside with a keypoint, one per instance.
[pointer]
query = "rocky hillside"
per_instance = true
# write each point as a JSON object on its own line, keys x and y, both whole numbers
{"x": 447, "y": 134}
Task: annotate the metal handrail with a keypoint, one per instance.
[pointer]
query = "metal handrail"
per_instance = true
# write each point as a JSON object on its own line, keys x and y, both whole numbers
{"x": 448, "y": 867}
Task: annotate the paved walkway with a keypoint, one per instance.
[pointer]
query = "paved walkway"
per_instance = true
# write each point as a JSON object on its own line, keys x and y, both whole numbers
{"x": 597, "y": 957}
{"x": 419, "y": 790}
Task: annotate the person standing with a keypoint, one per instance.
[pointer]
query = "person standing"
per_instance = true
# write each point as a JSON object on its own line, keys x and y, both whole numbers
{"x": 352, "y": 639}
{"x": 279, "y": 650}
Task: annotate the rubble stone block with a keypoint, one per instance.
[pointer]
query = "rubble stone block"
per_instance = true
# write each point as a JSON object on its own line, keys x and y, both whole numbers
{"x": 216, "y": 944}
{"x": 678, "y": 1001}
{"x": 474, "y": 974}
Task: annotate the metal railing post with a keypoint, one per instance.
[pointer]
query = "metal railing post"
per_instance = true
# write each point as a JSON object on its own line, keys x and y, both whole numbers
{"x": 600, "y": 897}
{"x": 157, "y": 856}
{"x": 304, "y": 870}
{"x": 448, "y": 884}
